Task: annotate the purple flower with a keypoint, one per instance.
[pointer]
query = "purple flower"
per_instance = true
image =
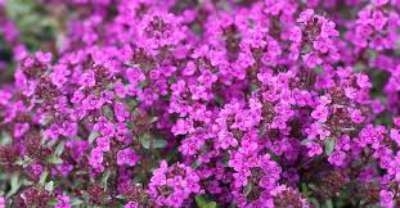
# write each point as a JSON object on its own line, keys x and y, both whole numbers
{"x": 88, "y": 79}
{"x": 121, "y": 112}
{"x": 320, "y": 113}
{"x": 356, "y": 116}
{"x": 2, "y": 202}
{"x": 386, "y": 199}
{"x": 395, "y": 135}
{"x": 63, "y": 201}
{"x": 337, "y": 158}
{"x": 127, "y": 157}
{"x": 314, "y": 149}
{"x": 131, "y": 205}
{"x": 96, "y": 159}
{"x": 246, "y": 100}
{"x": 171, "y": 186}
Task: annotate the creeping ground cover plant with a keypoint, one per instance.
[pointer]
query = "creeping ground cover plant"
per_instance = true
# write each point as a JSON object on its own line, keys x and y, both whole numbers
{"x": 200, "y": 103}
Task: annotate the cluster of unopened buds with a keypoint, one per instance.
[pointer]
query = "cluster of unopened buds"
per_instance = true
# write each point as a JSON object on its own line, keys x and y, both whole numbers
{"x": 208, "y": 103}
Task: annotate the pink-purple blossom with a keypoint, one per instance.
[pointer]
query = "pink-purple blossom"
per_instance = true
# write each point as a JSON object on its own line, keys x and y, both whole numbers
{"x": 150, "y": 103}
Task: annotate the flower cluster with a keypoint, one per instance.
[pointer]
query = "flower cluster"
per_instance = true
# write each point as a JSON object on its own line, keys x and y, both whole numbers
{"x": 170, "y": 186}
{"x": 176, "y": 103}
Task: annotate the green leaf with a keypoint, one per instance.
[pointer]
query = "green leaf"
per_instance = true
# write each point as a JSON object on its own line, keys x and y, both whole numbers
{"x": 15, "y": 184}
{"x": 219, "y": 100}
{"x": 253, "y": 87}
{"x": 195, "y": 164}
{"x": 59, "y": 149}
{"x": 52, "y": 202}
{"x": 75, "y": 202}
{"x": 145, "y": 141}
{"x": 49, "y": 186}
{"x": 312, "y": 187}
{"x": 104, "y": 179}
{"x": 26, "y": 182}
{"x": 132, "y": 104}
{"x": 304, "y": 189}
{"x": 159, "y": 143}
{"x": 5, "y": 138}
{"x": 43, "y": 177}
{"x": 314, "y": 202}
{"x": 16, "y": 8}
{"x": 329, "y": 145}
{"x": 153, "y": 119}
{"x": 108, "y": 112}
{"x": 201, "y": 202}
{"x": 93, "y": 135}
{"x": 247, "y": 189}
{"x": 120, "y": 196}
{"x": 328, "y": 204}
{"x": 24, "y": 162}
{"x": 35, "y": 25}
{"x": 53, "y": 159}
{"x": 305, "y": 141}
{"x": 149, "y": 142}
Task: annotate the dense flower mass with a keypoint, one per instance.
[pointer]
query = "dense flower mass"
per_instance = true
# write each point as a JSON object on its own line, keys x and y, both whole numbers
{"x": 206, "y": 103}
